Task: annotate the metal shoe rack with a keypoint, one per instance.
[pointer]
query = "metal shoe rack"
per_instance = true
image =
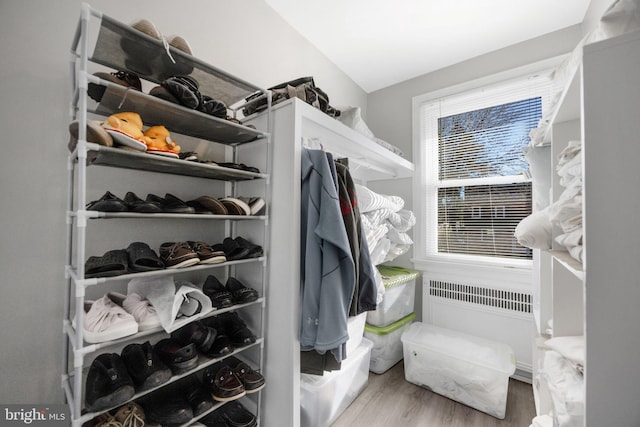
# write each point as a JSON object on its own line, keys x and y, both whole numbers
{"x": 235, "y": 142}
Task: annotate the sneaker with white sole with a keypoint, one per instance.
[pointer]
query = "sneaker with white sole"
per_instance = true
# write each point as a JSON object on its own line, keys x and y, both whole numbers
{"x": 104, "y": 320}
{"x": 139, "y": 307}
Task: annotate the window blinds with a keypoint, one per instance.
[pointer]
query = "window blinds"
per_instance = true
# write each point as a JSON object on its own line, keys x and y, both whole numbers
{"x": 476, "y": 187}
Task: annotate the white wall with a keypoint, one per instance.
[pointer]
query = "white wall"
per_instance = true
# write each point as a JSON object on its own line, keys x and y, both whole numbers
{"x": 242, "y": 37}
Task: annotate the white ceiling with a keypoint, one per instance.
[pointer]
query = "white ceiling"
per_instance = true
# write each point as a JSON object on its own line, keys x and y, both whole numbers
{"x": 382, "y": 42}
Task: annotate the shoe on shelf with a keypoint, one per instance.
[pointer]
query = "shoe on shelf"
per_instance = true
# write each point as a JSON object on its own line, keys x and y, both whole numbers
{"x": 232, "y": 250}
{"x": 178, "y": 255}
{"x": 122, "y": 78}
{"x": 141, "y": 309}
{"x": 222, "y": 382}
{"x": 237, "y": 415}
{"x": 250, "y": 379}
{"x": 199, "y": 398}
{"x": 111, "y": 263}
{"x": 171, "y": 204}
{"x": 167, "y": 409}
{"x": 255, "y": 251}
{"x": 130, "y": 415}
{"x": 256, "y": 204}
{"x": 94, "y": 133}
{"x": 222, "y": 345}
{"x": 108, "y": 203}
{"x": 177, "y": 356}
{"x": 219, "y": 295}
{"x": 104, "y": 320}
{"x": 238, "y": 332}
{"x": 212, "y": 204}
{"x": 108, "y": 383}
{"x": 214, "y": 419}
{"x": 144, "y": 366}
{"x": 206, "y": 254}
{"x": 142, "y": 258}
{"x": 196, "y": 333}
{"x": 136, "y": 204}
{"x": 241, "y": 293}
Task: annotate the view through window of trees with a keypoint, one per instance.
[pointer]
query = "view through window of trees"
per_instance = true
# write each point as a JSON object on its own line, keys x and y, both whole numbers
{"x": 475, "y": 215}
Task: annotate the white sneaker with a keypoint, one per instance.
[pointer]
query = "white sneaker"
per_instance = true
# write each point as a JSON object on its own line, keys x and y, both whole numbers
{"x": 141, "y": 309}
{"x": 106, "y": 321}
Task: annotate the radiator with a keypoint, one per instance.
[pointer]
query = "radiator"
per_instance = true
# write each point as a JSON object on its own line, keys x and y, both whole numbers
{"x": 492, "y": 312}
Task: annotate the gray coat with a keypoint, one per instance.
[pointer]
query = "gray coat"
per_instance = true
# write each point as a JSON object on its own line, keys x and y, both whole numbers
{"x": 327, "y": 270}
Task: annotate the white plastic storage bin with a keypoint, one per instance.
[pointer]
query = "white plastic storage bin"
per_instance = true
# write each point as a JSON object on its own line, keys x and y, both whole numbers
{"x": 387, "y": 346}
{"x": 467, "y": 369}
{"x": 399, "y": 295}
{"x": 355, "y": 327}
{"x": 324, "y": 398}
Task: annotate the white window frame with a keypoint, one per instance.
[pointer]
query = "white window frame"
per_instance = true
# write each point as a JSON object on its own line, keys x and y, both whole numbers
{"x": 425, "y": 190}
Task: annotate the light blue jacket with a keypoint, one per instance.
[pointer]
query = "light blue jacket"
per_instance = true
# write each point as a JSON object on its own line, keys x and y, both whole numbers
{"x": 327, "y": 270}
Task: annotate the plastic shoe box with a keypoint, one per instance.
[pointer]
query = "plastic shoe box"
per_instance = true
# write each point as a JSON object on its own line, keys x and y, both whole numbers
{"x": 324, "y": 398}
{"x": 465, "y": 368}
{"x": 399, "y": 296}
{"x": 387, "y": 345}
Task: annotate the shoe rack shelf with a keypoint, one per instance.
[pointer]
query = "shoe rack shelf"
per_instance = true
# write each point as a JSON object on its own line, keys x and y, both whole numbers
{"x": 237, "y": 142}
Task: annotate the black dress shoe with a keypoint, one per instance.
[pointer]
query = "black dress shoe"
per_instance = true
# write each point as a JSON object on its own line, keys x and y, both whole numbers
{"x": 219, "y": 295}
{"x": 241, "y": 293}
{"x": 136, "y": 204}
{"x": 144, "y": 366}
{"x": 108, "y": 203}
{"x": 167, "y": 409}
{"x": 238, "y": 332}
{"x": 171, "y": 204}
{"x": 237, "y": 415}
{"x": 222, "y": 344}
{"x": 199, "y": 399}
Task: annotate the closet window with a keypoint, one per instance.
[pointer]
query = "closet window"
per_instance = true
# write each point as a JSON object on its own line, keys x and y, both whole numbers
{"x": 476, "y": 189}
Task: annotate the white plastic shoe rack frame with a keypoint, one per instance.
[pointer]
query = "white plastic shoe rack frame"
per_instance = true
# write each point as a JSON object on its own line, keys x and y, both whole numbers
{"x": 225, "y": 135}
{"x": 599, "y": 297}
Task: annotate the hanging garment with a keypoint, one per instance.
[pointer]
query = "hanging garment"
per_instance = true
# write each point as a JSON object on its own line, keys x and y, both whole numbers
{"x": 365, "y": 292}
{"x": 328, "y": 269}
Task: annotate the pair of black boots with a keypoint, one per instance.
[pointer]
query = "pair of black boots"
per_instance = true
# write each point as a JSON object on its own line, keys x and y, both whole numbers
{"x": 113, "y": 379}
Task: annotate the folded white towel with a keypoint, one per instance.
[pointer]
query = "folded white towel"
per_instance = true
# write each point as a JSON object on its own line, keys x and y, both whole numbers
{"x": 534, "y": 231}
{"x": 369, "y": 200}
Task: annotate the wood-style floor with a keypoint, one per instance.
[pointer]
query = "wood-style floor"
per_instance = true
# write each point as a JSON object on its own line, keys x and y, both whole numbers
{"x": 390, "y": 401}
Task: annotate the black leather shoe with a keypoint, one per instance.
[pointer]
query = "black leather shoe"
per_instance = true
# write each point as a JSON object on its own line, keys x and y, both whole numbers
{"x": 237, "y": 415}
{"x": 219, "y": 295}
{"x": 179, "y": 357}
{"x": 144, "y": 366}
{"x": 238, "y": 332}
{"x": 170, "y": 204}
{"x": 168, "y": 410}
{"x": 214, "y": 419}
{"x": 199, "y": 399}
{"x": 241, "y": 293}
{"x": 108, "y": 383}
{"x": 197, "y": 333}
{"x": 222, "y": 382}
{"x": 222, "y": 345}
